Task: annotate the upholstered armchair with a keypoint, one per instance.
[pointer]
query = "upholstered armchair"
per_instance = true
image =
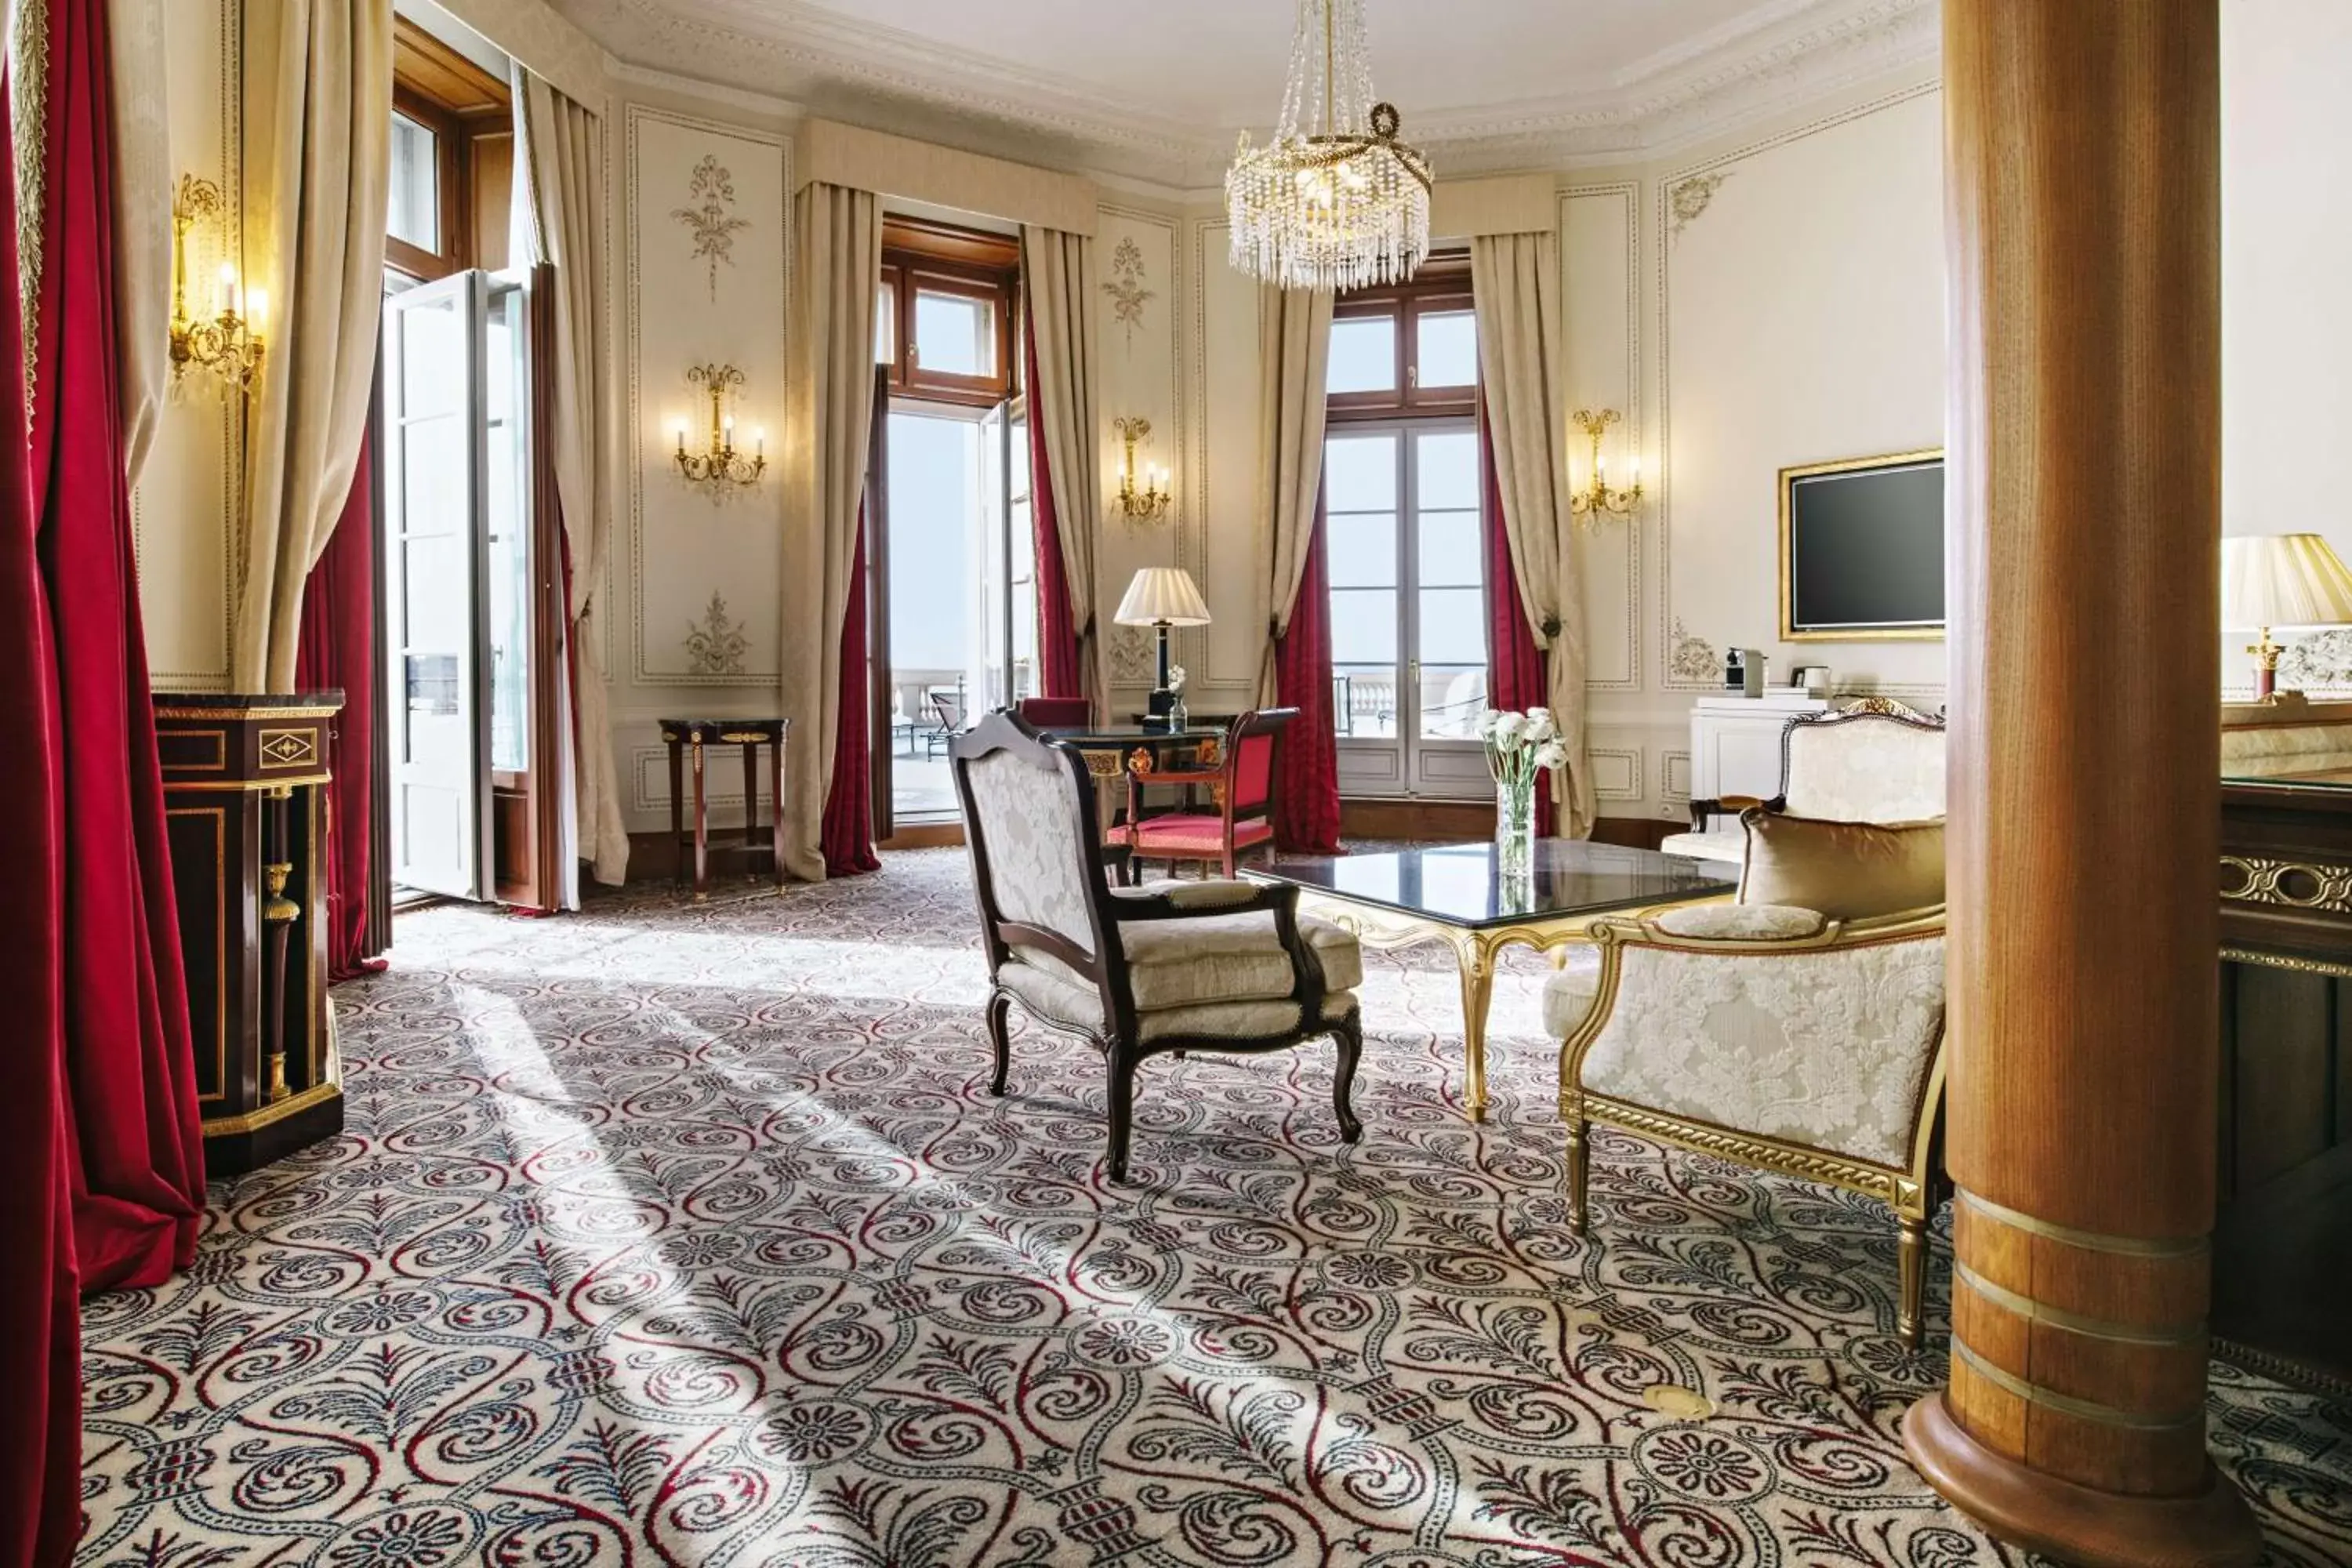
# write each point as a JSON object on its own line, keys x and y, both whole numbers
{"x": 1771, "y": 1035}
{"x": 1212, "y": 966}
{"x": 1876, "y": 760}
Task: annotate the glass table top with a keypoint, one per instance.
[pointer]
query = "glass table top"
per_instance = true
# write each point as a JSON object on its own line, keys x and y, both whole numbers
{"x": 1460, "y": 884}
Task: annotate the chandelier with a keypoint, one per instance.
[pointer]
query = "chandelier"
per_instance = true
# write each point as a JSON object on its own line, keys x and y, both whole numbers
{"x": 1334, "y": 201}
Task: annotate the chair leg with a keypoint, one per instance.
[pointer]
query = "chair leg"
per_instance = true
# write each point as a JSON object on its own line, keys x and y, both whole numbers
{"x": 1580, "y": 1173}
{"x": 1001, "y": 1038}
{"x": 1349, "y": 1037}
{"x": 1911, "y": 1256}
{"x": 1123, "y": 1061}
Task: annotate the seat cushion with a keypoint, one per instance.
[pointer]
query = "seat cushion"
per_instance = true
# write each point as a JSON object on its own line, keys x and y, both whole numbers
{"x": 1847, "y": 870}
{"x": 1194, "y": 833}
{"x": 1219, "y": 958}
{"x": 1062, "y": 998}
{"x": 1729, "y": 844}
{"x": 1568, "y": 1000}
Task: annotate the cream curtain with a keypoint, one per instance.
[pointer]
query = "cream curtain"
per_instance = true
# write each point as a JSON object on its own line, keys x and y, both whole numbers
{"x": 562, "y": 174}
{"x": 828, "y": 417}
{"x": 1057, "y": 272}
{"x": 1515, "y": 279}
{"x": 142, "y": 221}
{"x": 318, "y": 146}
{"x": 1293, "y": 348}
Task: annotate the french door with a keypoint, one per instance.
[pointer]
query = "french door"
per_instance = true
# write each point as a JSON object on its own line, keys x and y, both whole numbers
{"x": 951, "y": 590}
{"x": 466, "y": 609}
{"x": 1405, "y": 542}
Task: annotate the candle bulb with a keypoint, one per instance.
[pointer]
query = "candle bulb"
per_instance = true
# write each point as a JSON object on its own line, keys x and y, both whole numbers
{"x": 256, "y": 306}
{"x": 681, "y": 427}
{"x": 760, "y": 441}
{"x": 224, "y": 294}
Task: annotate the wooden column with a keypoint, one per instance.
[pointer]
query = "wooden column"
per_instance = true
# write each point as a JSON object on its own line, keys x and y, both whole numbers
{"x": 2082, "y": 150}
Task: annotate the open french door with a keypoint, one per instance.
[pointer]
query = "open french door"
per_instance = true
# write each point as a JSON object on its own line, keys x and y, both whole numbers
{"x": 437, "y": 627}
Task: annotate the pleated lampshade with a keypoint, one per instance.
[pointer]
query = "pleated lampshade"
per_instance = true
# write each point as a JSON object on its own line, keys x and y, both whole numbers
{"x": 1162, "y": 595}
{"x": 2283, "y": 580}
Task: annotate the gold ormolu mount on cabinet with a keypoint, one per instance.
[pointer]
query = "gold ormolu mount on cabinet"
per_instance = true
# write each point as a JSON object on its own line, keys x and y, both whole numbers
{"x": 720, "y": 468}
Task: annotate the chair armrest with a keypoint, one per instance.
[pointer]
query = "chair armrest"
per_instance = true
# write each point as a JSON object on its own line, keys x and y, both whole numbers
{"x": 1728, "y": 806}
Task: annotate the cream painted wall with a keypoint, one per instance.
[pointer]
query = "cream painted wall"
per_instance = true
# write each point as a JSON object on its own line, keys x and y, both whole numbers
{"x": 188, "y": 496}
{"x": 2287, "y": 314}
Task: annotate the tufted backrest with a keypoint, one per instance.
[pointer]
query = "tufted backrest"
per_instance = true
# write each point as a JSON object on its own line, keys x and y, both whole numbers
{"x": 1863, "y": 767}
{"x": 1029, "y": 839}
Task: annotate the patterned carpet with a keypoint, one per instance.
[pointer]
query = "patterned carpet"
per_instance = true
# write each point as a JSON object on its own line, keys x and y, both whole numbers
{"x": 676, "y": 1236}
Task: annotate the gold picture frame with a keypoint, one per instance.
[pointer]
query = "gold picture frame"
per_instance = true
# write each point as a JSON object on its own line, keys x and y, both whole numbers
{"x": 1786, "y": 488}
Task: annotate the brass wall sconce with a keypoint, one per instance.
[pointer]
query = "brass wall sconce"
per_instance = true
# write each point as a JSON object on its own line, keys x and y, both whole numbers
{"x": 1597, "y": 498}
{"x": 226, "y": 342}
{"x": 1149, "y": 501}
{"x": 720, "y": 468}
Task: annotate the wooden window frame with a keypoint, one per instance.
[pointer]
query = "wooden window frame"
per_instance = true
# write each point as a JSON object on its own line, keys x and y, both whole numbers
{"x": 460, "y": 104}
{"x": 451, "y": 177}
{"x": 922, "y": 257}
{"x": 1442, "y": 287}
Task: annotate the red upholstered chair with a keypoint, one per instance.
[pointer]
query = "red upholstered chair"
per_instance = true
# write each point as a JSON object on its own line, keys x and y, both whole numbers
{"x": 1055, "y": 713}
{"x": 1242, "y": 787}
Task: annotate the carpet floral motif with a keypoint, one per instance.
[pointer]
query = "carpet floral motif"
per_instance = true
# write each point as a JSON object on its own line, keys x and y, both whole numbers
{"x": 690, "y": 1235}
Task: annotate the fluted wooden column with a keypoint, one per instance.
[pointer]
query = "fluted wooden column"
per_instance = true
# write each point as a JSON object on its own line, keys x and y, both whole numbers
{"x": 2083, "y": 159}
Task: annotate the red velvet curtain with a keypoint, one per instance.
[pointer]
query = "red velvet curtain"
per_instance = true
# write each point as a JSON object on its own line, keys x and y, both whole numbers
{"x": 1515, "y": 666}
{"x": 1307, "y": 781}
{"x": 140, "y": 1174}
{"x": 1057, "y": 632}
{"x": 40, "y": 1325}
{"x": 846, "y": 837}
{"x": 338, "y": 649}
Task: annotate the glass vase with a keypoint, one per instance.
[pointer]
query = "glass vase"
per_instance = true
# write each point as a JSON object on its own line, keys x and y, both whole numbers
{"x": 1515, "y": 813}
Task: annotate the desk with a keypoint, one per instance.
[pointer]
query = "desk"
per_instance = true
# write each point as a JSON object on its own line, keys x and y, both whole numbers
{"x": 687, "y": 737}
{"x": 1458, "y": 894}
{"x": 2283, "y": 1232}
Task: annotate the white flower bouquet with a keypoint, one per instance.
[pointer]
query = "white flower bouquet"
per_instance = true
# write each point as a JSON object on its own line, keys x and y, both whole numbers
{"x": 1520, "y": 746}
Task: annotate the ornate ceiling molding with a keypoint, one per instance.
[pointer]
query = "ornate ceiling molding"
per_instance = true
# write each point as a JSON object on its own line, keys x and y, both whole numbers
{"x": 1780, "y": 53}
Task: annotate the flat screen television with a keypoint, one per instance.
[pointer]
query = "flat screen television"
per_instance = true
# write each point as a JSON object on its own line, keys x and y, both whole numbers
{"x": 1861, "y": 549}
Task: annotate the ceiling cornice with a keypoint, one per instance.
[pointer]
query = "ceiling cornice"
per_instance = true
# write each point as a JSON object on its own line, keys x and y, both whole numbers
{"x": 1783, "y": 52}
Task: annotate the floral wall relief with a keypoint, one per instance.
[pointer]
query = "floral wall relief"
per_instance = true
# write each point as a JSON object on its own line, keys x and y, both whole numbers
{"x": 710, "y": 218}
{"x": 1692, "y": 658}
{"x": 1686, "y": 198}
{"x": 716, "y": 644}
{"x": 1128, "y": 294}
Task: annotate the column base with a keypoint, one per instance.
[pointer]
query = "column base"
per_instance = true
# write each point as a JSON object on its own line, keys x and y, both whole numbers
{"x": 2078, "y": 1524}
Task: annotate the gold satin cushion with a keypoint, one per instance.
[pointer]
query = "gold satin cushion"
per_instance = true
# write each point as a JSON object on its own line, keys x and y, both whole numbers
{"x": 1847, "y": 870}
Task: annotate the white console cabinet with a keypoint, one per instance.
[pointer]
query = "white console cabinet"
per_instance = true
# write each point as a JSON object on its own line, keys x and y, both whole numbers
{"x": 1735, "y": 742}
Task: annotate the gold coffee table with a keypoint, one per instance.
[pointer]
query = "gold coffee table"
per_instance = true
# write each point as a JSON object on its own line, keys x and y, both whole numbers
{"x": 1459, "y": 895}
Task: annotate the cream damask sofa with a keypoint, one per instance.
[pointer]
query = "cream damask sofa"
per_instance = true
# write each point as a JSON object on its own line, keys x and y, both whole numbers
{"x": 1772, "y": 1035}
{"x": 1874, "y": 761}
{"x": 1212, "y": 966}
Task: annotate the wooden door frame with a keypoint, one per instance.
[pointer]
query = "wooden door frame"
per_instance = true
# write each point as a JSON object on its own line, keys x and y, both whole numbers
{"x": 881, "y": 745}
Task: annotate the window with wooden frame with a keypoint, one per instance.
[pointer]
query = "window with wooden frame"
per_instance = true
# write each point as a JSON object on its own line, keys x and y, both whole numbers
{"x": 944, "y": 320}
{"x": 452, "y": 159}
{"x": 1407, "y": 350}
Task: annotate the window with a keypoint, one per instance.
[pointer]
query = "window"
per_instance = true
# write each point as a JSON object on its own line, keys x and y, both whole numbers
{"x": 1405, "y": 543}
{"x": 1408, "y": 574}
{"x": 945, "y": 314}
{"x": 1409, "y": 350}
{"x": 415, "y": 217}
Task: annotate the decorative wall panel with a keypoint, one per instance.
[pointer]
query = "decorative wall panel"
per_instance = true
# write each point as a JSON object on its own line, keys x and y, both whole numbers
{"x": 1137, "y": 375}
{"x": 706, "y": 220}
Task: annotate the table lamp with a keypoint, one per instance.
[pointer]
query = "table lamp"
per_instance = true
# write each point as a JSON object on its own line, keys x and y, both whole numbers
{"x": 2279, "y": 579}
{"x": 1162, "y": 596}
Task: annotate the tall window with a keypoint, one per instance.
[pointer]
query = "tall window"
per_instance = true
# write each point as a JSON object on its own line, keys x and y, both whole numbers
{"x": 1403, "y": 483}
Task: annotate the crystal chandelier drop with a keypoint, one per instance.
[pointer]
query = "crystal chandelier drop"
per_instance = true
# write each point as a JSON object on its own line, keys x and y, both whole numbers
{"x": 1334, "y": 201}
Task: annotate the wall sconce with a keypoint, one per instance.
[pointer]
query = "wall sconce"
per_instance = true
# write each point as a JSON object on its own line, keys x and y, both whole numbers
{"x": 225, "y": 343}
{"x": 1597, "y": 498}
{"x": 1147, "y": 503}
{"x": 719, "y": 465}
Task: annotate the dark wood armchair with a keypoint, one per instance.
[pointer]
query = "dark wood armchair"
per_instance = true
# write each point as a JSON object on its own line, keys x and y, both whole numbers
{"x": 1200, "y": 966}
{"x": 1241, "y": 790}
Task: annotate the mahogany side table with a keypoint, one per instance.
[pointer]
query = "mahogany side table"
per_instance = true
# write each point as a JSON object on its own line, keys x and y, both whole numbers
{"x": 689, "y": 739}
